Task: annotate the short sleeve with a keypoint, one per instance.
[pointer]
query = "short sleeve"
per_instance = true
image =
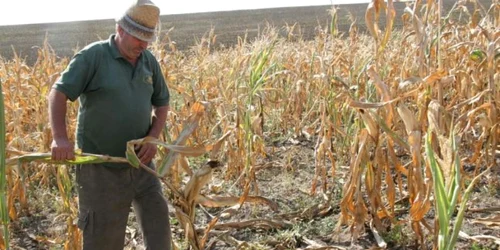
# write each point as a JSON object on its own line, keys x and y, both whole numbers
{"x": 75, "y": 78}
{"x": 161, "y": 95}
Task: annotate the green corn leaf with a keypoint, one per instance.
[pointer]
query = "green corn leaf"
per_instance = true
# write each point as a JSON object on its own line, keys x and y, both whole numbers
{"x": 79, "y": 159}
{"x": 3, "y": 183}
{"x": 454, "y": 189}
{"x": 461, "y": 211}
{"x": 477, "y": 55}
{"x": 442, "y": 203}
{"x": 131, "y": 155}
{"x": 383, "y": 125}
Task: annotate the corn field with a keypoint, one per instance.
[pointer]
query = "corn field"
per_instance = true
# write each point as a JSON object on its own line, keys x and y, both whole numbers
{"x": 410, "y": 115}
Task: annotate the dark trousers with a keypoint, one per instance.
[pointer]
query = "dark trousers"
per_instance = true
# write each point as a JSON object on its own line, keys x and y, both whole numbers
{"x": 105, "y": 197}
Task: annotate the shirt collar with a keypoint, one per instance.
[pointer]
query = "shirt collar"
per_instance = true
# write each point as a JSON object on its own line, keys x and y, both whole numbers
{"x": 114, "y": 49}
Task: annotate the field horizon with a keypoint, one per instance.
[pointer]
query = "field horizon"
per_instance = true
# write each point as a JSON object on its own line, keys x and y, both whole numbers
{"x": 185, "y": 29}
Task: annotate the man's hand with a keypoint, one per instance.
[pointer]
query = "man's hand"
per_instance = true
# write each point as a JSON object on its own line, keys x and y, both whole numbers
{"x": 146, "y": 152}
{"x": 62, "y": 150}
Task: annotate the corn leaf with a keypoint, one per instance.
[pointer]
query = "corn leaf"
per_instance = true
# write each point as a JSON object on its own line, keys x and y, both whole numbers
{"x": 190, "y": 126}
{"x": 442, "y": 204}
{"x": 3, "y": 182}
{"x": 82, "y": 158}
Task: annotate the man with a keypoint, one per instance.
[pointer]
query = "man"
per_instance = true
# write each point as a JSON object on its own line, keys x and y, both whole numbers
{"x": 123, "y": 96}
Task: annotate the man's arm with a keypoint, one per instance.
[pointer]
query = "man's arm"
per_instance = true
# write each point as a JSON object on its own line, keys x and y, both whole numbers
{"x": 148, "y": 151}
{"x": 62, "y": 148}
{"x": 159, "y": 120}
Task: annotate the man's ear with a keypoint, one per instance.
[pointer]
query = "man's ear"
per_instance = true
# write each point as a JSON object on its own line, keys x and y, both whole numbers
{"x": 119, "y": 29}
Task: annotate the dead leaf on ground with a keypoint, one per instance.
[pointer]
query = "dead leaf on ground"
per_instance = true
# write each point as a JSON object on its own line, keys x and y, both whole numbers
{"x": 492, "y": 221}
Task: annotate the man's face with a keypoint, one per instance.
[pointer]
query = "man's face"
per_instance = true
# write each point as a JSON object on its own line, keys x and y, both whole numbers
{"x": 131, "y": 47}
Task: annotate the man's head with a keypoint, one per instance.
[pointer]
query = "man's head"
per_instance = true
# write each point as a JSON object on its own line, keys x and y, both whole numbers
{"x": 140, "y": 20}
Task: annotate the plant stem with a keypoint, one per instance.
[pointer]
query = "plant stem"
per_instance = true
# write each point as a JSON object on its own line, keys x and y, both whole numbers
{"x": 3, "y": 201}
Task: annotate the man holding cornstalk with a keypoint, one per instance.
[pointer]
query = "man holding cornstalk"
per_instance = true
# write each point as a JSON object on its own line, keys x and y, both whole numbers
{"x": 123, "y": 96}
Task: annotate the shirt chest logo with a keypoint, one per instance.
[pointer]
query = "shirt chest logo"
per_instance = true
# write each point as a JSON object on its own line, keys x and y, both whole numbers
{"x": 148, "y": 79}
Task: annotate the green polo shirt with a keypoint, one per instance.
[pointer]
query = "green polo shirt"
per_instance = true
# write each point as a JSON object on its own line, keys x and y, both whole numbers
{"x": 116, "y": 98}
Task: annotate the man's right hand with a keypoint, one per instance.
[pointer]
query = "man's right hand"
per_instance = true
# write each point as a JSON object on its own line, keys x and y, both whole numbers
{"x": 62, "y": 150}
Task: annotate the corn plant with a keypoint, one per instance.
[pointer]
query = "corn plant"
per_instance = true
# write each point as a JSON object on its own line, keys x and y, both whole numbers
{"x": 4, "y": 215}
{"x": 447, "y": 193}
{"x": 252, "y": 110}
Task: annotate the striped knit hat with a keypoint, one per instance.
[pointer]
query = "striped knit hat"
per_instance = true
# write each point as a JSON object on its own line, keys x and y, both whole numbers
{"x": 140, "y": 20}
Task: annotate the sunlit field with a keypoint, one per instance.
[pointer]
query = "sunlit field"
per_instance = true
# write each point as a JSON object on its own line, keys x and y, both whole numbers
{"x": 384, "y": 139}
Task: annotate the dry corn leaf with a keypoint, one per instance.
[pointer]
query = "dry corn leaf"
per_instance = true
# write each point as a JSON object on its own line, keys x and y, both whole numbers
{"x": 199, "y": 179}
{"x": 389, "y": 22}
{"x": 435, "y": 76}
{"x": 2, "y": 241}
{"x": 419, "y": 208}
{"x": 409, "y": 84}
{"x": 191, "y": 124}
{"x": 314, "y": 244}
{"x": 382, "y": 88}
{"x": 218, "y": 201}
{"x": 359, "y": 216}
{"x": 372, "y": 16}
{"x": 435, "y": 116}
{"x": 478, "y": 238}
{"x": 370, "y": 105}
{"x": 12, "y": 210}
{"x": 371, "y": 125}
{"x": 408, "y": 118}
{"x": 351, "y": 187}
{"x": 322, "y": 150}
{"x": 255, "y": 223}
{"x": 189, "y": 229}
{"x": 391, "y": 187}
{"x": 183, "y": 162}
{"x": 215, "y": 148}
{"x": 417, "y": 24}
{"x": 492, "y": 221}
{"x": 354, "y": 207}
{"x": 208, "y": 228}
{"x": 475, "y": 18}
